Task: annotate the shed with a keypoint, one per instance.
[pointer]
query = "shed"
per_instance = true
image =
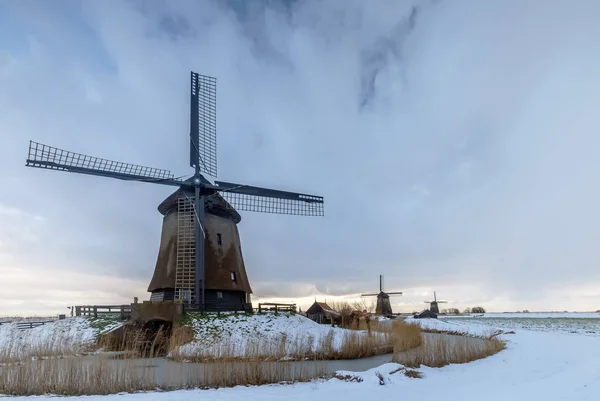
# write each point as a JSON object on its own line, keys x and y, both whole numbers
{"x": 322, "y": 313}
{"x": 426, "y": 314}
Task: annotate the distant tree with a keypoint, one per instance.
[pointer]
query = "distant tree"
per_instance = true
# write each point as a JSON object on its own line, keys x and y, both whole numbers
{"x": 477, "y": 309}
{"x": 364, "y": 305}
{"x": 453, "y": 311}
{"x": 467, "y": 310}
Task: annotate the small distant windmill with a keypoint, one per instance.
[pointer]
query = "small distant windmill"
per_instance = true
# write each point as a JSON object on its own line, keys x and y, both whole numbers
{"x": 200, "y": 261}
{"x": 433, "y": 305}
{"x": 383, "y": 299}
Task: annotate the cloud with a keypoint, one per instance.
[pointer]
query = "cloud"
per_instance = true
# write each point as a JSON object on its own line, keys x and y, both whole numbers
{"x": 454, "y": 142}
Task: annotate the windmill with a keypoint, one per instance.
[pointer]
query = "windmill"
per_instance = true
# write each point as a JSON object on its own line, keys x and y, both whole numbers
{"x": 383, "y": 299}
{"x": 199, "y": 262}
{"x": 433, "y": 305}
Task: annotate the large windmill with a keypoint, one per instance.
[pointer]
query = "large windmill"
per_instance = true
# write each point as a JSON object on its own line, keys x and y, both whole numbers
{"x": 200, "y": 261}
{"x": 383, "y": 299}
{"x": 433, "y": 305}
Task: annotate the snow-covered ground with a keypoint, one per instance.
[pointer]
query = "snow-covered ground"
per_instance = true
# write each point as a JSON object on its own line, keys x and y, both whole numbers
{"x": 60, "y": 337}
{"x": 572, "y": 323}
{"x": 466, "y": 327}
{"x": 239, "y": 335}
{"x": 547, "y": 366}
{"x": 532, "y": 315}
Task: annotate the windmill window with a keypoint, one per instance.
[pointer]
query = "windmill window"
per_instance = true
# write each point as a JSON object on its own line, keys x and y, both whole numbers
{"x": 233, "y": 278}
{"x": 220, "y": 295}
{"x": 219, "y": 239}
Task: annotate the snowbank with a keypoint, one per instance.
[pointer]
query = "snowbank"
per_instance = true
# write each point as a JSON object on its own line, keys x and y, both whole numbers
{"x": 61, "y": 337}
{"x": 241, "y": 335}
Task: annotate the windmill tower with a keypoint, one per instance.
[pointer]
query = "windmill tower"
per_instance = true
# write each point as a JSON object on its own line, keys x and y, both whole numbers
{"x": 200, "y": 258}
{"x": 433, "y": 305}
{"x": 383, "y": 299}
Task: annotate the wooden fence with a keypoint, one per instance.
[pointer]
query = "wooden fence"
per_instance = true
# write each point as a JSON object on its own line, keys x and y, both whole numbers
{"x": 95, "y": 310}
{"x": 31, "y": 325}
{"x": 269, "y": 306}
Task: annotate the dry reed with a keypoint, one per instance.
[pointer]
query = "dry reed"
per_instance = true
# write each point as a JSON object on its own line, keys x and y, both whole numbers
{"x": 441, "y": 350}
{"x": 96, "y": 375}
{"x": 349, "y": 344}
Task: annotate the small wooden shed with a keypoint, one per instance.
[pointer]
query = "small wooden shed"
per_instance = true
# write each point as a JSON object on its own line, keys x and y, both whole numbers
{"x": 322, "y": 313}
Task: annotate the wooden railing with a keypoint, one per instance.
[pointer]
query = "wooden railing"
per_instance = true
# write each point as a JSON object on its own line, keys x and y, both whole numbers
{"x": 270, "y": 306}
{"x": 94, "y": 310}
{"x": 31, "y": 325}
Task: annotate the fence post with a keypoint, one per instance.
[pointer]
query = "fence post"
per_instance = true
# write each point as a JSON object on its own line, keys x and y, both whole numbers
{"x": 122, "y": 312}
{"x": 78, "y": 311}
{"x": 95, "y": 312}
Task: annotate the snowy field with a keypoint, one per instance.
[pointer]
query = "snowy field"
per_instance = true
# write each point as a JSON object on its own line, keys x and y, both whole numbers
{"x": 572, "y": 323}
{"x": 553, "y": 366}
{"x": 548, "y": 357}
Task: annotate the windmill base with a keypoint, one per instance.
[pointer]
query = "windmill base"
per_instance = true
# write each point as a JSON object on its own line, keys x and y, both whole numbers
{"x": 147, "y": 311}
{"x": 214, "y": 300}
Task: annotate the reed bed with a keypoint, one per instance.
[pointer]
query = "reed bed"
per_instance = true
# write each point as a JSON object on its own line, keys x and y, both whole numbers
{"x": 441, "y": 349}
{"x": 99, "y": 376}
{"x": 336, "y": 344}
{"x": 24, "y": 347}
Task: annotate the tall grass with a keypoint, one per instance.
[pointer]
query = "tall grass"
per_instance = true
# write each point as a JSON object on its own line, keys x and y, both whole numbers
{"x": 336, "y": 344}
{"x": 95, "y": 375}
{"x": 21, "y": 346}
{"x": 441, "y": 349}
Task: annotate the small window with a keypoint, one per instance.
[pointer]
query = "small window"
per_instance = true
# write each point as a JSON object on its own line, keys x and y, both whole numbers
{"x": 233, "y": 278}
{"x": 219, "y": 239}
{"x": 220, "y": 295}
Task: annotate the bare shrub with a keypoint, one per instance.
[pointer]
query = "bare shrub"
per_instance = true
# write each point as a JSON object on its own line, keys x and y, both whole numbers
{"x": 413, "y": 374}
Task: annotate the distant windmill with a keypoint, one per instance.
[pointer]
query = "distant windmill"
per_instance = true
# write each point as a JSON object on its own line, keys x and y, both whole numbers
{"x": 200, "y": 257}
{"x": 433, "y": 305}
{"x": 383, "y": 299}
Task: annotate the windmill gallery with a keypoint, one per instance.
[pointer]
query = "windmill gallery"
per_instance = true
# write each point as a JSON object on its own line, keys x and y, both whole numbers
{"x": 199, "y": 264}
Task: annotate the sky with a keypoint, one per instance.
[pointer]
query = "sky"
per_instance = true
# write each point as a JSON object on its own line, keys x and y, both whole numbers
{"x": 455, "y": 144}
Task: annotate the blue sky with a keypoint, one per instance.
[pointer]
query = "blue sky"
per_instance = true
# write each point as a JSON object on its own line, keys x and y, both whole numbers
{"x": 454, "y": 143}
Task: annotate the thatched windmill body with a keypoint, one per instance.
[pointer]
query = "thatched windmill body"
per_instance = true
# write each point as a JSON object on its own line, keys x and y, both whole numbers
{"x": 200, "y": 259}
{"x": 384, "y": 307}
{"x": 433, "y": 305}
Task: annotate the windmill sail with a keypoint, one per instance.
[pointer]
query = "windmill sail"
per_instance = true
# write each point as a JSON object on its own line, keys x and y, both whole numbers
{"x": 257, "y": 199}
{"x": 49, "y": 157}
{"x": 203, "y": 124}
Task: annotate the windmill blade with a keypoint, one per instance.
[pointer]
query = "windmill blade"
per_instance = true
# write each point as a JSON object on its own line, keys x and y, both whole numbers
{"x": 203, "y": 124}
{"x": 49, "y": 157}
{"x": 257, "y": 199}
{"x": 442, "y": 302}
{"x": 394, "y": 293}
{"x": 369, "y": 295}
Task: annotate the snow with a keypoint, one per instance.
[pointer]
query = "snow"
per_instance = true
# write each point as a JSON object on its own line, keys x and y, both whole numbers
{"x": 532, "y": 315}
{"x": 470, "y": 328}
{"x": 238, "y": 334}
{"x": 63, "y": 337}
{"x": 536, "y": 365}
{"x": 573, "y": 323}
